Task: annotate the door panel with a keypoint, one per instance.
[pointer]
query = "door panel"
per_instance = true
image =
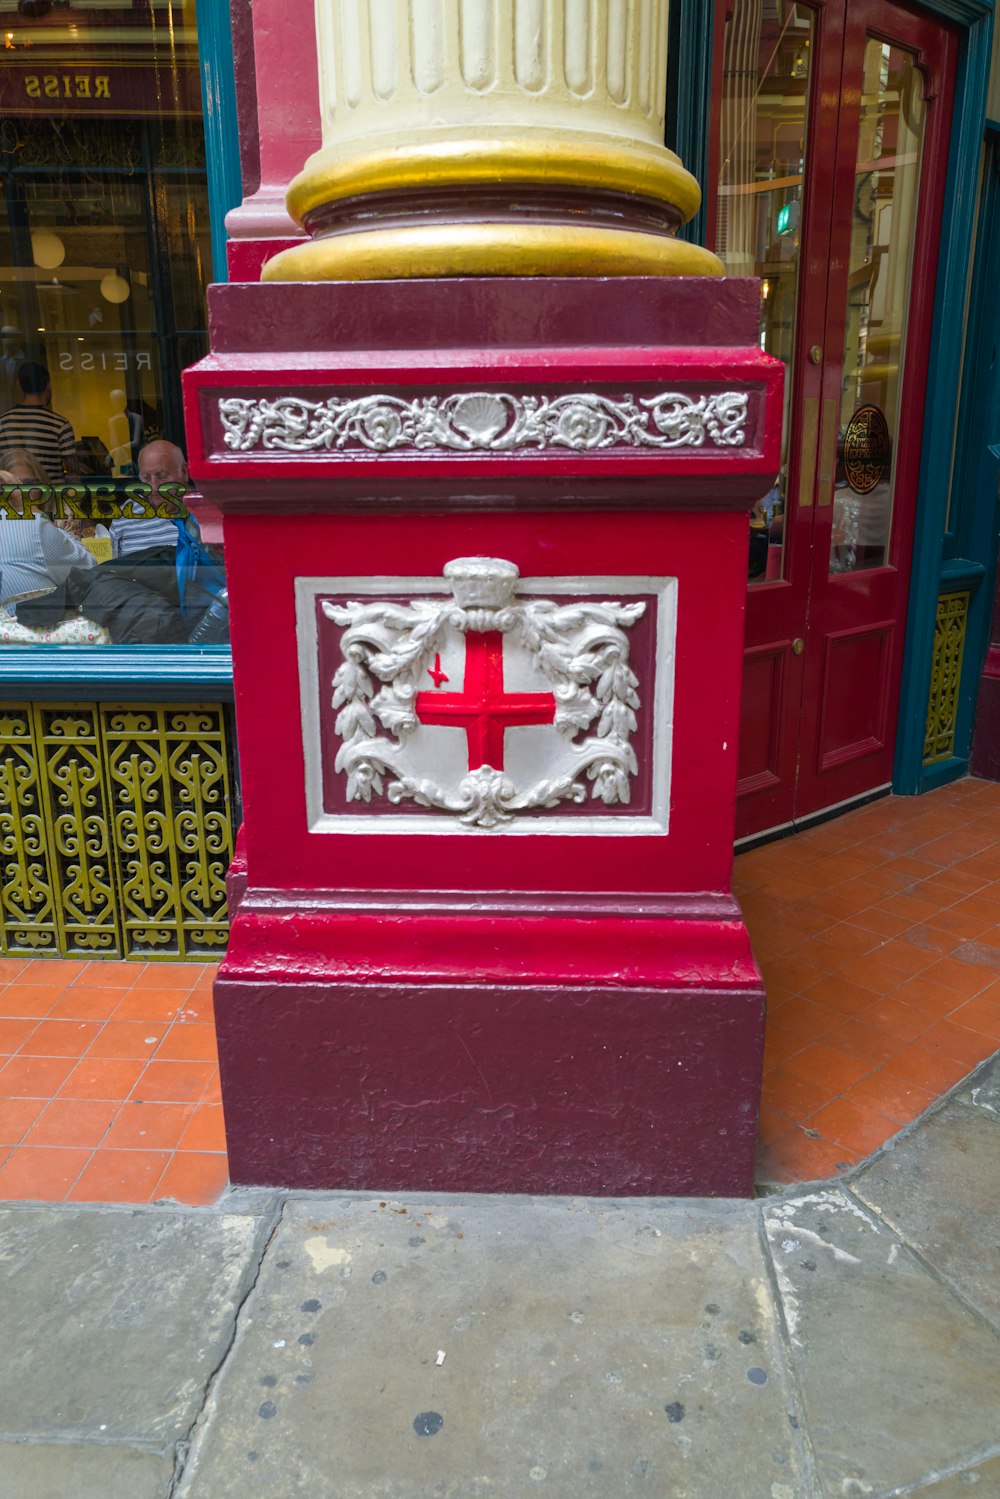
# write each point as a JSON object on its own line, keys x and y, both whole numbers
{"x": 834, "y": 140}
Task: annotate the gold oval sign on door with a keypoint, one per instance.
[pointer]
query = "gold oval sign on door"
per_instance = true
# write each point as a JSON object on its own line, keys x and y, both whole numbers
{"x": 867, "y": 449}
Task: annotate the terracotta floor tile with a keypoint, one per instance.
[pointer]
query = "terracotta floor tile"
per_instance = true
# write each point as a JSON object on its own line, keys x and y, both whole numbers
{"x": 901, "y": 1022}
{"x": 925, "y": 995}
{"x": 845, "y": 1122}
{"x": 958, "y": 925}
{"x": 795, "y": 1157}
{"x": 14, "y": 1032}
{"x": 198, "y": 1007}
{"x": 884, "y": 923}
{"x": 926, "y": 1067}
{"x": 170, "y": 975}
{"x": 126, "y": 1039}
{"x": 17, "y": 1115}
{"x": 779, "y": 1046}
{"x": 193, "y": 1178}
{"x": 40, "y": 1174}
{"x": 980, "y": 1014}
{"x": 212, "y": 1091}
{"x": 805, "y": 1020}
{"x": 892, "y": 1097}
{"x": 930, "y": 937}
{"x": 207, "y": 1130}
{"x": 10, "y": 968}
{"x": 60, "y": 1038}
{"x": 188, "y": 1043}
{"x": 99, "y": 1078}
{"x": 149, "y": 1126}
{"x": 798, "y": 1097}
{"x": 828, "y": 1069}
{"x": 35, "y": 1077}
{"x": 173, "y": 1082}
{"x": 120, "y": 1176}
{"x": 156, "y": 1004}
{"x": 772, "y": 1124}
{"x": 979, "y": 954}
{"x": 806, "y": 920}
{"x": 110, "y": 974}
{"x": 57, "y": 971}
{"x": 863, "y": 1042}
{"x": 72, "y": 1121}
{"x": 910, "y": 907}
{"x": 28, "y": 999}
{"x": 960, "y": 1044}
{"x": 966, "y": 979}
{"x": 81, "y": 1003}
{"x": 839, "y": 994}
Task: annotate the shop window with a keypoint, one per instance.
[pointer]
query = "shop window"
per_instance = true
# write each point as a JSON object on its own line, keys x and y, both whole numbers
{"x": 105, "y": 254}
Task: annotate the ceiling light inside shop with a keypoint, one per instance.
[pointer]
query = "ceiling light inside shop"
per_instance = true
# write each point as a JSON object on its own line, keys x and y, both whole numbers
{"x": 47, "y": 249}
{"x": 115, "y": 288}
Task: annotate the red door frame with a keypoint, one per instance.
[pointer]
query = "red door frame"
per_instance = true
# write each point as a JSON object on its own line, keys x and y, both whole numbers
{"x": 796, "y": 779}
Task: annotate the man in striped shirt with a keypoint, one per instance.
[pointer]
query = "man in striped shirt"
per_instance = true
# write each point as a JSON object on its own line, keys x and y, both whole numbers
{"x": 35, "y": 426}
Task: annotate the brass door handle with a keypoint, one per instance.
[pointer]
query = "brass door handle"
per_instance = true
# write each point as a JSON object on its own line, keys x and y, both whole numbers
{"x": 798, "y": 645}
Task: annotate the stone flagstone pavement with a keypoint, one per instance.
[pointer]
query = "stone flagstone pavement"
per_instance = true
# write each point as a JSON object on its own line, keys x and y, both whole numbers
{"x": 832, "y": 1341}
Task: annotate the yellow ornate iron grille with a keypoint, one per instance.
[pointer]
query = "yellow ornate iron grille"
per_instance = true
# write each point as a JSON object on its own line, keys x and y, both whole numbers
{"x": 946, "y": 676}
{"x": 115, "y": 829}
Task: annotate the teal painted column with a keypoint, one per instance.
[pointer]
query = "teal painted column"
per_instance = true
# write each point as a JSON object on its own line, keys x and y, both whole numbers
{"x": 930, "y": 571}
{"x": 222, "y": 146}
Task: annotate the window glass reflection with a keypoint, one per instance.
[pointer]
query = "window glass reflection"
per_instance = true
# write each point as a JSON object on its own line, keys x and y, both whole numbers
{"x": 104, "y": 258}
{"x": 767, "y": 61}
{"x": 883, "y": 227}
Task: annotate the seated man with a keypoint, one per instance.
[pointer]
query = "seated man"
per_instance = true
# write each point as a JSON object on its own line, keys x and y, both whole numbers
{"x": 36, "y": 556}
{"x": 160, "y": 462}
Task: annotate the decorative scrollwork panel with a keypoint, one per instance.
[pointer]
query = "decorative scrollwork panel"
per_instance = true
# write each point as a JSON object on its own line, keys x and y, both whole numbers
{"x": 946, "y": 676}
{"x": 167, "y": 769}
{"x": 27, "y": 904}
{"x": 77, "y": 817}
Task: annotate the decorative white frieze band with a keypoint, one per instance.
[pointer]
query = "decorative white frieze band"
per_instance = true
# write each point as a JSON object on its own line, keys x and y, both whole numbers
{"x": 577, "y": 652}
{"x": 482, "y": 421}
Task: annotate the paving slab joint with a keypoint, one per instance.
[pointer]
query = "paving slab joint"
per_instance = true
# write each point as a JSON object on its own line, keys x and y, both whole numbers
{"x": 785, "y": 1345}
{"x": 934, "y": 1271}
{"x": 930, "y": 1481}
{"x": 269, "y": 1227}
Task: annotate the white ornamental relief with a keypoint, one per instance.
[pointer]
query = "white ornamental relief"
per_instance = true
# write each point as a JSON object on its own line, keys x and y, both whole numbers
{"x": 484, "y": 422}
{"x": 561, "y": 669}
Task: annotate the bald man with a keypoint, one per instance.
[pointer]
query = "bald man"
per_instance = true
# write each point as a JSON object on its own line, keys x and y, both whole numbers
{"x": 160, "y": 462}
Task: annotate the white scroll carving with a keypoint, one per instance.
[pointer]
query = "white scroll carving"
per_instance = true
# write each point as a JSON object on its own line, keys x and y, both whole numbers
{"x": 482, "y": 421}
{"x": 581, "y": 649}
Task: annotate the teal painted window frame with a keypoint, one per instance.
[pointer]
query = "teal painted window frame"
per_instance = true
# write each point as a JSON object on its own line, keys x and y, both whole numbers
{"x": 222, "y": 144}
{"x": 689, "y": 123}
{"x": 144, "y": 672}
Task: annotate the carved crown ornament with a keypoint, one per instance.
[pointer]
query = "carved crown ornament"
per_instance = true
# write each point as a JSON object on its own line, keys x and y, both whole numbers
{"x": 484, "y": 422}
{"x": 487, "y": 704}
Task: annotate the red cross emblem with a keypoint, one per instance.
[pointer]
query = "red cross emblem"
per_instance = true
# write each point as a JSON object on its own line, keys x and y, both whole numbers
{"x": 483, "y": 709}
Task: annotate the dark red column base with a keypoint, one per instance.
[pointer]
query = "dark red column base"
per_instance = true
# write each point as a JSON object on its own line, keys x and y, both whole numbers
{"x": 384, "y": 1087}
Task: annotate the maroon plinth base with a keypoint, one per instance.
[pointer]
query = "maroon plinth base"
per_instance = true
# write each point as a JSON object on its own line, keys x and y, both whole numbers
{"x": 407, "y": 1002}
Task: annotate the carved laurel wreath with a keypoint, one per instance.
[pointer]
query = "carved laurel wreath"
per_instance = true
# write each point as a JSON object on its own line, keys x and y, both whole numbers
{"x": 581, "y": 648}
{"x": 491, "y": 421}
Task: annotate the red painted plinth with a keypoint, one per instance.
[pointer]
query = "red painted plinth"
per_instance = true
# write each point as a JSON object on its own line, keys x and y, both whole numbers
{"x": 567, "y": 1004}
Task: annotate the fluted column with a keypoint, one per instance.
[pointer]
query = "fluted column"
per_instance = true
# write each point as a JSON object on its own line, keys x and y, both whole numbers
{"x": 492, "y": 137}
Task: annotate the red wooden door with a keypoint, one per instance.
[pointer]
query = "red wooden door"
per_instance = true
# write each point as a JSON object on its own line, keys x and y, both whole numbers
{"x": 832, "y": 156}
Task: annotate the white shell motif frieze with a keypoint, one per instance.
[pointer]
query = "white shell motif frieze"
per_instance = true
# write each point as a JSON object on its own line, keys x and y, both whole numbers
{"x": 484, "y": 421}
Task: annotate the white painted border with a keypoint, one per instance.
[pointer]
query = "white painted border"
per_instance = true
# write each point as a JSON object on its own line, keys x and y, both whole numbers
{"x": 609, "y": 825}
